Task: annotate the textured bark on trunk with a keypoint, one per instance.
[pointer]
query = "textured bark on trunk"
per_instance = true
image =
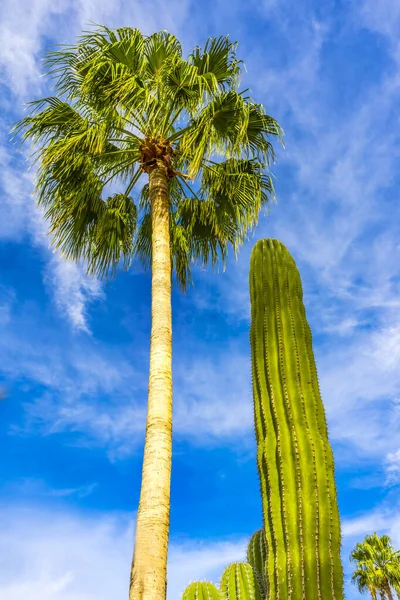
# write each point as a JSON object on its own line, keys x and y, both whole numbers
{"x": 372, "y": 592}
{"x": 149, "y": 566}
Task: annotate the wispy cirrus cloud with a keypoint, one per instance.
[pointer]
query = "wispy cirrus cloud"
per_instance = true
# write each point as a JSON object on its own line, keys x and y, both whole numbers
{"x": 338, "y": 219}
{"x": 29, "y": 28}
{"x": 22, "y": 221}
{"x": 74, "y": 291}
{"x": 392, "y": 468}
{"x": 27, "y": 32}
{"x": 72, "y": 556}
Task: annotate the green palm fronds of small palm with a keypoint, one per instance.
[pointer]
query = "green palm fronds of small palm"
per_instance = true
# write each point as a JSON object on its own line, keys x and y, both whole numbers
{"x": 377, "y": 566}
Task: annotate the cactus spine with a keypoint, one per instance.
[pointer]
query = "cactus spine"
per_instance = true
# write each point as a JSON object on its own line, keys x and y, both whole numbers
{"x": 239, "y": 582}
{"x": 201, "y": 590}
{"x": 295, "y": 461}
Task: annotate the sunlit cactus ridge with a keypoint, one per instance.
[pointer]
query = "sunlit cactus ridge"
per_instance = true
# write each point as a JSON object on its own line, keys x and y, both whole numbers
{"x": 239, "y": 581}
{"x": 257, "y": 557}
{"x": 294, "y": 457}
{"x": 201, "y": 590}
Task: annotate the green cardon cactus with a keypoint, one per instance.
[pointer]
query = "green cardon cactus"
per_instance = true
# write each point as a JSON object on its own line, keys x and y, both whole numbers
{"x": 239, "y": 582}
{"x": 295, "y": 461}
{"x": 257, "y": 557}
{"x": 201, "y": 590}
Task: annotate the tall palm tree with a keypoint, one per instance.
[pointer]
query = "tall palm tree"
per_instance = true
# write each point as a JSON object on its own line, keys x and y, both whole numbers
{"x": 128, "y": 105}
{"x": 378, "y": 566}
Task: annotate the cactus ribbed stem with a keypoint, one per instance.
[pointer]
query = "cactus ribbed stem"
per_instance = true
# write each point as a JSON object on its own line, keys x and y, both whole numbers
{"x": 295, "y": 461}
{"x": 257, "y": 558}
{"x": 201, "y": 590}
{"x": 239, "y": 582}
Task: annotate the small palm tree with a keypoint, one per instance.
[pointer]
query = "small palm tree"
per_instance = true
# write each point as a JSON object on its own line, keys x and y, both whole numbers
{"x": 378, "y": 566}
{"x": 128, "y": 105}
{"x": 364, "y": 577}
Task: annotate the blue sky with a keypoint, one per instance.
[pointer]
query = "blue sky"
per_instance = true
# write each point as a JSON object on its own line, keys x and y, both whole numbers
{"x": 74, "y": 352}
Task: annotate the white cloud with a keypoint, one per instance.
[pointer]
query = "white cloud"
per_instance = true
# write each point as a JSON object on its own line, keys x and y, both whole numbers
{"x": 67, "y": 555}
{"x": 27, "y": 28}
{"x": 116, "y": 424}
{"x": 94, "y": 391}
{"x": 17, "y": 216}
{"x": 392, "y": 468}
{"x": 379, "y": 520}
{"x": 340, "y": 224}
{"x": 213, "y": 397}
{"x": 73, "y": 290}
{"x": 70, "y": 556}
{"x": 383, "y": 17}
{"x": 362, "y": 378}
{"x": 21, "y": 220}
{"x": 36, "y": 487}
{"x": 33, "y": 353}
{"x": 98, "y": 393}
{"x": 100, "y": 397}
{"x": 23, "y": 25}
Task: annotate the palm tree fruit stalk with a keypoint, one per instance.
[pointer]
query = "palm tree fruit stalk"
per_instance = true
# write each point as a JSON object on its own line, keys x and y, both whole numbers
{"x": 294, "y": 457}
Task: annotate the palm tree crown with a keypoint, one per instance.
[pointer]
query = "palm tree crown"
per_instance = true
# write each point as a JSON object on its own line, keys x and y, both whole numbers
{"x": 125, "y": 103}
{"x": 378, "y": 566}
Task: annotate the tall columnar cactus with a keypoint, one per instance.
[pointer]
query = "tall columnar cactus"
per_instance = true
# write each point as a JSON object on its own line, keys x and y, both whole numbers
{"x": 294, "y": 457}
{"x": 202, "y": 590}
{"x": 239, "y": 582}
{"x": 257, "y": 557}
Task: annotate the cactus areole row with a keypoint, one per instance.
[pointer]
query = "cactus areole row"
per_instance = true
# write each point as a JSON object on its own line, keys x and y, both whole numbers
{"x": 295, "y": 460}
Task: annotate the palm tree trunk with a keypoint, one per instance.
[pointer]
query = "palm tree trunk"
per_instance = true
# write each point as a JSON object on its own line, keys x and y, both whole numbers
{"x": 389, "y": 592}
{"x": 149, "y": 566}
{"x": 372, "y": 591}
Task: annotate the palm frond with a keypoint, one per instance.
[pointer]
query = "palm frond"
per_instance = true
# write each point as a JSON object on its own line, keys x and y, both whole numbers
{"x": 112, "y": 239}
{"x": 217, "y": 63}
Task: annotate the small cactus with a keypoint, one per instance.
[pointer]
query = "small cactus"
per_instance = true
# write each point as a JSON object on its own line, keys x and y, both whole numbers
{"x": 201, "y": 590}
{"x": 239, "y": 582}
{"x": 257, "y": 557}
